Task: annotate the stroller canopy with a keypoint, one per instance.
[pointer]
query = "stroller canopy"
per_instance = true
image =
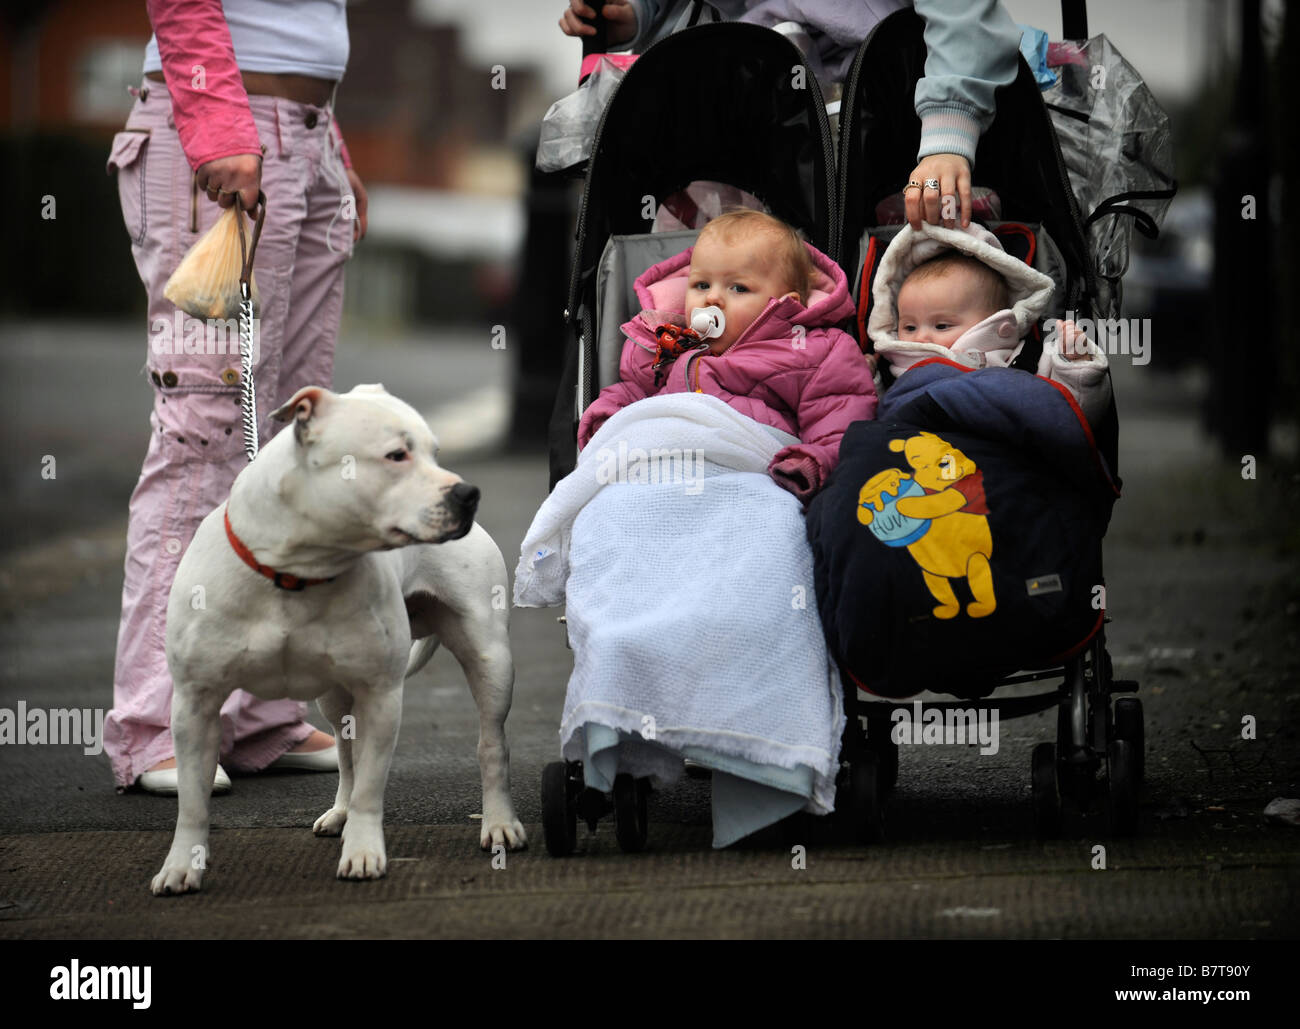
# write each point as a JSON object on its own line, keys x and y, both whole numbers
{"x": 732, "y": 103}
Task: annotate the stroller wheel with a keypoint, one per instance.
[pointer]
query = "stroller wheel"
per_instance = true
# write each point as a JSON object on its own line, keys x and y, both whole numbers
{"x": 799, "y": 828}
{"x": 1046, "y": 792}
{"x": 1122, "y": 788}
{"x": 559, "y": 819}
{"x": 1129, "y": 727}
{"x": 860, "y": 802}
{"x": 882, "y": 745}
{"x": 631, "y": 801}
{"x": 887, "y": 764}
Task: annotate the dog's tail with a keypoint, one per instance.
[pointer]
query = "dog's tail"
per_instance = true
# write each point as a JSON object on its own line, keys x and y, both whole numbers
{"x": 421, "y": 650}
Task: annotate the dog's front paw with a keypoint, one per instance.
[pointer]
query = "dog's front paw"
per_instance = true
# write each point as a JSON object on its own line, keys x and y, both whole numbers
{"x": 331, "y": 822}
{"x": 177, "y": 878}
{"x": 508, "y": 832}
{"x": 363, "y": 864}
{"x": 364, "y": 856}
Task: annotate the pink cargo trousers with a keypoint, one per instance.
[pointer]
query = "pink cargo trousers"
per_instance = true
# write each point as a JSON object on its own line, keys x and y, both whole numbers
{"x": 196, "y": 438}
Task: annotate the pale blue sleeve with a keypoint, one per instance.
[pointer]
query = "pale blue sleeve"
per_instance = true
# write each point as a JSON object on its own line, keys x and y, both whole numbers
{"x": 650, "y": 15}
{"x": 972, "y": 48}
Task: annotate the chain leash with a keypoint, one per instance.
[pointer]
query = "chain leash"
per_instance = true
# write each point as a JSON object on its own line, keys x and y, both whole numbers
{"x": 248, "y": 388}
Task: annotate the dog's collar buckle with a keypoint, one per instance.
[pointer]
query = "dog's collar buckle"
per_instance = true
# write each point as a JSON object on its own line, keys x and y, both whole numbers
{"x": 282, "y": 580}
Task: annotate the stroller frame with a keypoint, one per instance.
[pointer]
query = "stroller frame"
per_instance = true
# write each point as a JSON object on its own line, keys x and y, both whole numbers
{"x": 1088, "y": 736}
{"x": 1098, "y": 751}
{"x": 765, "y": 115}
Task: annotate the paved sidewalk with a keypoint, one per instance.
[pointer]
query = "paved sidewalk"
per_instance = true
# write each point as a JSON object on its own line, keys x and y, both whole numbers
{"x": 1202, "y": 585}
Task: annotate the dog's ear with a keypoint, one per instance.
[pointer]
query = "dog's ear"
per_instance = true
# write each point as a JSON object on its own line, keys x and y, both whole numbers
{"x": 302, "y": 407}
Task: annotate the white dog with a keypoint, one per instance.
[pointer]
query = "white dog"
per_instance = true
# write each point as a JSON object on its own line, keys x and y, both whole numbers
{"x": 337, "y": 516}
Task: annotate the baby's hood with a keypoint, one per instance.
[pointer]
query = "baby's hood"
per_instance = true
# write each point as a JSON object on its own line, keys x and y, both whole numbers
{"x": 1031, "y": 291}
{"x": 661, "y": 291}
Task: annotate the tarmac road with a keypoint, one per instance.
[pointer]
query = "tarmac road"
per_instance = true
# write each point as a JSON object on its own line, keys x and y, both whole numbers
{"x": 1202, "y": 586}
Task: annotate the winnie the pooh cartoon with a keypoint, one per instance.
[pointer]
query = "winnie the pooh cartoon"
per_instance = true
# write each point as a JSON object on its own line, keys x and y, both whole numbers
{"x": 953, "y": 540}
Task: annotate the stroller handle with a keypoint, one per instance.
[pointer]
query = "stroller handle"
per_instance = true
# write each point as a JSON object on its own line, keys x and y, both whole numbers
{"x": 1074, "y": 19}
{"x": 599, "y": 43}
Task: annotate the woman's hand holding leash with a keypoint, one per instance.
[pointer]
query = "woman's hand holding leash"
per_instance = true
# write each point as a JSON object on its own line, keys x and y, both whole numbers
{"x": 225, "y": 177}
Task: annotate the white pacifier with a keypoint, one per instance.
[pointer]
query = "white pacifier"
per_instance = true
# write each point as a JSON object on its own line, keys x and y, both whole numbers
{"x": 708, "y": 322}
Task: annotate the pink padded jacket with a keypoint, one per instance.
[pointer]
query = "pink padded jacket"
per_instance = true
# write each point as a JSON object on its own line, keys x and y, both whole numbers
{"x": 790, "y": 369}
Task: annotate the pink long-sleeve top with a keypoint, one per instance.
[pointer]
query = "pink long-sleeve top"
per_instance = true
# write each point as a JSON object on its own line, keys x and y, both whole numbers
{"x": 202, "y": 66}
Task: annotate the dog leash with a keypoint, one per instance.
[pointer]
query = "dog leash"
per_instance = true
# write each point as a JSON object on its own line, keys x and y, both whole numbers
{"x": 248, "y": 389}
{"x": 248, "y": 397}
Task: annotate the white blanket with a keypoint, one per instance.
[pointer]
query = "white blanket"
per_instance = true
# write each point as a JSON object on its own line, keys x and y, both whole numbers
{"x": 689, "y": 585}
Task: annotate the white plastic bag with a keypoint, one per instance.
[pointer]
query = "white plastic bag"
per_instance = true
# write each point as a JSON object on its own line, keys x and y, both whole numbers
{"x": 570, "y": 125}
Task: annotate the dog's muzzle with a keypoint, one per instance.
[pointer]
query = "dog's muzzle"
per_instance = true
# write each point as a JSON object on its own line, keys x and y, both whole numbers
{"x": 462, "y": 501}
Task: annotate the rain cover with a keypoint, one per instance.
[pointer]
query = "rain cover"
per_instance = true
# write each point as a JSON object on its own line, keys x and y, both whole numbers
{"x": 570, "y": 125}
{"x": 1114, "y": 138}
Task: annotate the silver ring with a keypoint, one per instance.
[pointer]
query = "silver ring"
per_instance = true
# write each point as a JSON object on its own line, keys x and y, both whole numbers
{"x": 932, "y": 184}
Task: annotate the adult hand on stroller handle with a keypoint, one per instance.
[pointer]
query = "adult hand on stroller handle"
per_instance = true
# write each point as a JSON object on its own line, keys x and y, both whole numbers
{"x": 953, "y": 173}
{"x": 619, "y": 17}
{"x": 227, "y": 177}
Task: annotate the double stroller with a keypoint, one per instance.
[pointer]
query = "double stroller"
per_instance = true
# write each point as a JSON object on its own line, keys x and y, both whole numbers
{"x": 775, "y": 144}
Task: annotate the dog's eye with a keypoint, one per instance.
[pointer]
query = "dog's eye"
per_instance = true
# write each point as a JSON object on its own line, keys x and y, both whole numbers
{"x": 396, "y": 455}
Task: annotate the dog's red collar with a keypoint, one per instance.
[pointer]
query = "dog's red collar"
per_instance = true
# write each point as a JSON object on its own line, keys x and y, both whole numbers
{"x": 283, "y": 580}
